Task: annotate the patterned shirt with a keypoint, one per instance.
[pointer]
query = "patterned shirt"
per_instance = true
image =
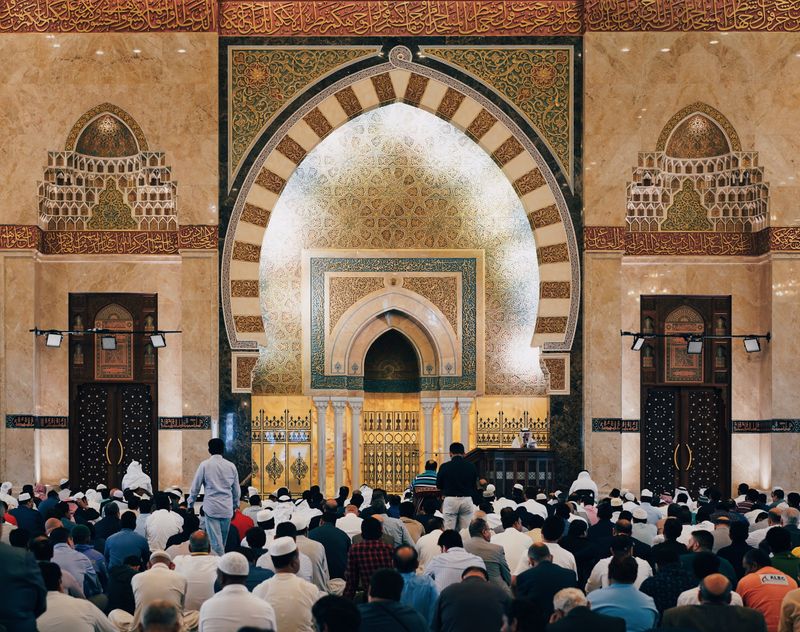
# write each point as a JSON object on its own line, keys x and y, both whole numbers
{"x": 426, "y": 479}
{"x": 363, "y": 559}
{"x": 667, "y": 584}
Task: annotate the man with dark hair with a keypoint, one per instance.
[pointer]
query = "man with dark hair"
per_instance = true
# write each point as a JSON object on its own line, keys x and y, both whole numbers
{"x": 714, "y": 614}
{"x": 384, "y": 612}
{"x": 19, "y": 538}
{"x": 428, "y": 545}
{"x": 428, "y": 477}
{"x": 669, "y": 581}
{"x": 446, "y": 569}
{"x": 492, "y": 554}
{"x": 672, "y": 530}
{"x": 458, "y": 480}
{"x": 542, "y": 580}
{"x": 419, "y": 591}
{"x": 735, "y": 553}
{"x": 366, "y": 557}
{"x": 27, "y": 516}
{"x": 163, "y": 523}
{"x": 780, "y": 545}
{"x": 335, "y": 541}
{"x": 120, "y": 591}
{"x": 515, "y": 543}
{"x": 764, "y": 587}
{"x": 702, "y": 541}
{"x": 77, "y": 564}
{"x": 622, "y": 598}
{"x": 220, "y": 481}
{"x": 125, "y": 543}
{"x": 471, "y": 604}
{"x": 552, "y": 532}
{"x": 621, "y": 546}
{"x": 600, "y": 532}
{"x": 65, "y": 612}
{"x": 336, "y": 614}
{"x": 81, "y": 536}
{"x": 107, "y": 526}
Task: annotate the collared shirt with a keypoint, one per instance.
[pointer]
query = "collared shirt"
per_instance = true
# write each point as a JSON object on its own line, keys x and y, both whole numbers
{"x": 428, "y": 547}
{"x": 515, "y": 545}
{"x": 306, "y": 571}
{"x": 420, "y": 593}
{"x": 627, "y": 602}
{"x": 220, "y": 481}
{"x": 363, "y": 559}
{"x": 159, "y": 582}
{"x": 291, "y": 598}
{"x": 79, "y": 566}
{"x": 691, "y": 597}
{"x": 764, "y": 591}
{"x": 350, "y": 523}
{"x": 160, "y": 527}
{"x": 396, "y": 529}
{"x": 98, "y": 562}
{"x": 200, "y": 571}
{"x": 561, "y": 557}
{"x": 76, "y": 615}
{"x": 426, "y": 479}
{"x": 447, "y": 568}
{"x": 667, "y": 585}
{"x": 599, "y": 577}
{"x": 233, "y": 608}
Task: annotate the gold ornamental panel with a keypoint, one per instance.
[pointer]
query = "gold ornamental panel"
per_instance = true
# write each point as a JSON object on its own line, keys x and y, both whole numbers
{"x": 281, "y": 451}
{"x": 391, "y": 449}
{"x": 500, "y": 431}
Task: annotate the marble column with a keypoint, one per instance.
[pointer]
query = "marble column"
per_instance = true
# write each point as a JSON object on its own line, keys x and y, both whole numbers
{"x": 339, "y": 407}
{"x": 321, "y": 404}
{"x": 448, "y": 406}
{"x": 356, "y": 405}
{"x": 428, "y": 404}
{"x": 464, "y": 405}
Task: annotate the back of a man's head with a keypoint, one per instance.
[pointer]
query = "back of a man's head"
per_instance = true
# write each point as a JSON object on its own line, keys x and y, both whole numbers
{"x": 406, "y": 509}
{"x": 128, "y": 520}
{"x": 508, "y": 517}
{"x": 739, "y": 531}
{"x": 161, "y": 616}
{"x": 161, "y": 501}
{"x": 42, "y": 548}
{"x": 199, "y": 542}
{"x": 378, "y": 504}
{"x": 715, "y": 589}
{"x": 775, "y": 516}
{"x": 538, "y": 553}
{"x": 216, "y": 446}
{"x": 111, "y": 509}
{"x": 336, "y": 614}
{"x": 623, "y": 527}
{"x": 621, "y": 545}
{"x": 672, "y": 529}
{"x": 433, "y": 524}
{"x": 406, "y": 559}
{"x": 59, "y": 536}
{"x": 385, "y": 584}
{"x": 605, "y": 511}
{"x": 81, "y": 534}
{"x": 623, "y": 570}
{"x": 477, "y": 527}
{"x": 431, "y": 465}
{"x": 51, "y": 574}
{"x": 664, "y": 557}
{"x": 755, "y": 559}
{"x": 371, "y": 528}
{"x": 779, "y": 540}
{"x": 286, "y": 530}
{"x": 566, "y": 599}
{"x": 553, "y": 529}
{"x": 457, "y": 448}
{"x": 704, "y": 539}
{"x": 704, "y": 564}
{"x": 450, "y": 539}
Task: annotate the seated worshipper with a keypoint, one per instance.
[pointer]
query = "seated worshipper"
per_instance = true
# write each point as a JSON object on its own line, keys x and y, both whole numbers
{"x": 335, "y": 542}
{"x": 136, "y": 479}
{"x": 704, "y": 564}
{"x": 472, "y": 604}
{"x": 542, "y": 581}
{"x": 107, "y": 526}
{"x": 233, "y": 607}
{"x": 65, "y": 612}
{"x": 384, "y": 612}
{"x": 63, "y": 513}
{"x": 738, "y": 547}
{"x": 320, "y": 575}
{"x": 391, "y": 526}
{"x": 446, "y": 569}
{"x": 703, "y": 541}
{"x": 28, "y": 517}
{"x": 493, "y": 555}
{"x": 532, "y": 505}
{"x": 414, "y": 528}
{"x": 582, "y": 550}
{"x": 763, "y": 587}
{"x": 265, "y": 520}
{"x": 428, "y": 545}
{"x": 336, "y": 614}
{"x": 255, "y": 507}
{"x": 714, "y": 612}
{"x": 791, "y": 518}
{"x": 162, "y": 523}
{"x": 22, "y": 592}
{"x": 600, "y": 532}
{"x": 81, "y": 537}
{"x": 350, "y": 523}
{"x": 145, "y": 507}
{"x": 288, "y": 530}
{"x": 365, "y": 557}
{"x": 621, "y": 546}
{"x": 199, "y": 568}
{"x": 256, "y": 547}
{"x": 622, "y": 599}
{"x": 290, "y": 596}
{"x": 671, "y": 531}
{"x": 125, "y": 543}
{"x": 159, "y": 582}
{"x": 641, "y": 529}
{"x": 571, "y": 613}
{"x": 669, "y": 581}
{"x": 161, "y": 616}
{"x": 552, "y": 530}
{"x": 774, "y": 519}
{"x": 178, "y": 544}
{"x": 120, "y": 591}
{"x": 75, "y": 563}
{"x": 427, "y": 478}
{"x": 419, "y": 591}
{"x": 584, "y": 482}
{"x": 780, "y": 543}
{"x": 515, "y": 543}
{"x": 42, "y": 549}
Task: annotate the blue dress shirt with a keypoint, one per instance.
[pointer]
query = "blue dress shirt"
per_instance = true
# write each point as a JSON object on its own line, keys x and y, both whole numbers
{"x": 627, "y": 602}
{"x": 123, "y": 544}
{"x": 220, "y": 481}
{"x": 420, "y": 593}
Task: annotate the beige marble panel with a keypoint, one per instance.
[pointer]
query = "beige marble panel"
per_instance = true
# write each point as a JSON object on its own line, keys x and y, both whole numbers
{"x": 170, "y": 460}
{"x": 631, "y": 461}
{"x": 54, "y": 449}
{"x": 602, "y": 459}
{"x": 172, "y": 95}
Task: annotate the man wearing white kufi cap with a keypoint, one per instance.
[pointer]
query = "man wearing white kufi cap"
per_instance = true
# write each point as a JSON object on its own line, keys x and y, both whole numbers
{"x": 291, "y": 597}
{"x": 233, "y": 607}
{"x": 64, "y": 490}
{"x": 646, "y": 503}
{"x": 6, "y": 497}
{"x": 27, "y": 517}
{"x": 320, "y": 575}
{"x": 255, "y": 504}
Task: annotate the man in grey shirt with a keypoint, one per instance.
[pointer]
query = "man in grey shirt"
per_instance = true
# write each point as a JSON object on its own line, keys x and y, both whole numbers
{"x": 492, "y": 555}
{"x": 220, "y": 481}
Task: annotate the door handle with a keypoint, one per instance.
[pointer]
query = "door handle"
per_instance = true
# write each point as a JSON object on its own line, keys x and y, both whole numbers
{"x": 108, "y": 458}
{"x": 689, "y": 465}
{"x": 675, "y": 456}
{"x": 121, "y": 450}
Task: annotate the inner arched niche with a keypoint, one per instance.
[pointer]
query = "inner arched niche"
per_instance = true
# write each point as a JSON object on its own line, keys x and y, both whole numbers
{"x": 697, "y": 137}
{"x": 398, "y": 177}
{"x": 107, "y": 136}
{"x": 391, "y": 365}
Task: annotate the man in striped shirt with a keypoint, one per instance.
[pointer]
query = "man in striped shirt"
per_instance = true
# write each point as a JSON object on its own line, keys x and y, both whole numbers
{"x": 427, "y": 478}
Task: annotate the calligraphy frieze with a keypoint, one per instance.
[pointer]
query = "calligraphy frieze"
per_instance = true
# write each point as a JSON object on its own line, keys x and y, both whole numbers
{"x": 604, "y": 424}
{"x": 765, "y": 425}
{"x": 187, "y": 422}
{"x": 44, "y": 422}
{"x": 107, "y": 16}
{"x": 16, "y": 237}
{"x": 396, "y": 18}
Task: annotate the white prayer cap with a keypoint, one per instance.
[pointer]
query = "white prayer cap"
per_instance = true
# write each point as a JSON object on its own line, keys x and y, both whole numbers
{"x": 489, "y": 492}
{"x": 640, "y": 514}
{"x": 174, "y": 492}
{"x": 284, "y": 499}
{"x": 63, "y": 481}
{"x": 234, "y": 563}
{"x": 160, "y": 555}
{"x": 647, "y": 493}
{"x": 63, "y": 494}
{"x": 519, "y": 486}
{"x": 282, "y": 546}
{"x": 24, "y": 497}
{"x": 264, "y": 515}
{"x": 118, "y": 494}
{"x": 5, "y": 487}
{"x": 269, "y": 504}
{"x": 101, "y": 486}
{"x": 78, "y": 495}
{"x": 616, "y": 502}
{"x": 541, "y": 496}
{"x": 252, "y": 491}
{"x": 301, "y": 521}
{"x": 438, "y": 514}
{"x": 629, "y": 496}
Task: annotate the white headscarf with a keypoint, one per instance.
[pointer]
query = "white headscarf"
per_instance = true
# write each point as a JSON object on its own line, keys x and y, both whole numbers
{"x": 135, "y": 478}
{"x": 689, "y": 503}
{"x": 584, "y": 481}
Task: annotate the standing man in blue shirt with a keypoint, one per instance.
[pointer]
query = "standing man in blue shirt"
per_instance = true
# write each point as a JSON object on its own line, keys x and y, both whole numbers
{"x": 220, "y": 481}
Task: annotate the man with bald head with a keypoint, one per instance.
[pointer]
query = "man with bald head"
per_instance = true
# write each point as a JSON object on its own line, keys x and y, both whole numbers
{"x": 199, "y": 568}
{"x": 419, "y": 591}
{"x": 715, "y": 612}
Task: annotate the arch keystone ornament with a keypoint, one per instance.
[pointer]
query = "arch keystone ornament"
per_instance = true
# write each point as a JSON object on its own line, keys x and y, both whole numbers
{"x": 401, "y": 79}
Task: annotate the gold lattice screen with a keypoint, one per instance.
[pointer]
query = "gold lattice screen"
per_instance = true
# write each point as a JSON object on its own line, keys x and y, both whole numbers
{"x": 499, "y": 431}
{"x": 281, "y": 451}
{"x": 391, "y": 449}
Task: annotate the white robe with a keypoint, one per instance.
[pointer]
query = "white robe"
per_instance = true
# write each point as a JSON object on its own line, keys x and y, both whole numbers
{"x": 584, "y": 481}
{"x": 135, "y": 478}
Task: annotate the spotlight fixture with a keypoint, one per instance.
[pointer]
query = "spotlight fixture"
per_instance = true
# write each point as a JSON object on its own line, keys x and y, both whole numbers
{"x": 752, "y": 345}
{"x": 108, "y": 343}
{"x": 638, "y": 342}
{"x": 53, "y": 339}
{"x": 158, "y": 340}
{"x": 694, "y": 346}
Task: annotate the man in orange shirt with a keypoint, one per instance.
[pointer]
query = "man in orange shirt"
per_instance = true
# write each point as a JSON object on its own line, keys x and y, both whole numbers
{"x": 764, "y": 587}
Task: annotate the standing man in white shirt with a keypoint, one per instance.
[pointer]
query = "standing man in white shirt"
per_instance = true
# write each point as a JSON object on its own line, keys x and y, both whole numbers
{"x": 220, "y": 482}
{"x": 234, "y": 607}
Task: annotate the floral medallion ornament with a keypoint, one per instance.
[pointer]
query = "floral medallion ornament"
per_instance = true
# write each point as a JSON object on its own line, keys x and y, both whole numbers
{"x": 274, "y": 468}
{"x": 543, "y": 75}
{"x": 299, "y": 468}
{"x": 256, "y": 75}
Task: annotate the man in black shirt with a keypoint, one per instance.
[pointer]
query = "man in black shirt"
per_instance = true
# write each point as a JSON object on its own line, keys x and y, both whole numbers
{"x": 458, "y": 480}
